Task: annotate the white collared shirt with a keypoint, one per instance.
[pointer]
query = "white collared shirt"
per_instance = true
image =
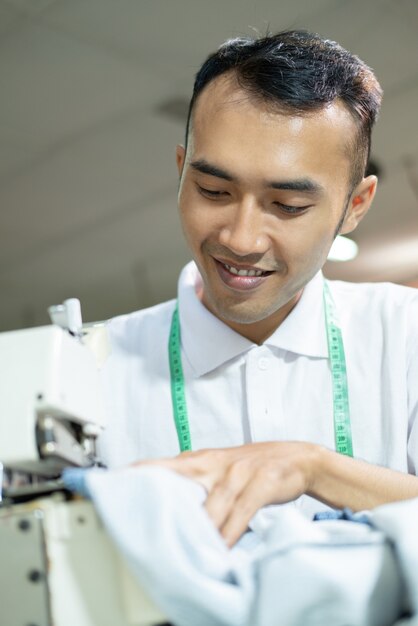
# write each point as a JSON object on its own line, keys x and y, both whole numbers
{"x": 239, "y": 392}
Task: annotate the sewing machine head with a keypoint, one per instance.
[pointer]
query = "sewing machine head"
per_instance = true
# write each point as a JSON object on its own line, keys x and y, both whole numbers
{"x": 50, "y": 401}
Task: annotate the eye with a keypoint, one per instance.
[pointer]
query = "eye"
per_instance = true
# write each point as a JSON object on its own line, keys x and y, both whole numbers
{"x": 292, "y": 210}
{"x": 210, "y": 193}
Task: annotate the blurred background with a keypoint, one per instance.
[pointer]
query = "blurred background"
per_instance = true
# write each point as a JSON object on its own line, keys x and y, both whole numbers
{"x": 93, "y": 96}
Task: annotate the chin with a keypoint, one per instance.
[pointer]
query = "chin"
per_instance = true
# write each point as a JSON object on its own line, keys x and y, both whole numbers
{"x": 240, "y": 313}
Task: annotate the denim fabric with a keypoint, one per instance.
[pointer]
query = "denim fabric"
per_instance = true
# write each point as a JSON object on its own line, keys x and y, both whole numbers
{"x": 344, "y": 514}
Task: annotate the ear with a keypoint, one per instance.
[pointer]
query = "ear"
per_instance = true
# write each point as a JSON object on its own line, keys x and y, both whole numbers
{"x": 359, "y": 203}
{"x": 180, "y": 157}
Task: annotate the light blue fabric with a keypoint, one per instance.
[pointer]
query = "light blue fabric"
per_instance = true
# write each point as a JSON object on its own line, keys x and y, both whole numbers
{"x": 157, "y": 520}
{"x": 74, "y": 479}
{"x": 292, "y": 572}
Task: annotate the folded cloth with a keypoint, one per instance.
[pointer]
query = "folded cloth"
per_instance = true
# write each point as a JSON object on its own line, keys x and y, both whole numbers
{"x": 292, "y": 573}
{"x": 330, "y": 572}
{"x": 158, "y": 521}
{"x": 399, "y": 522}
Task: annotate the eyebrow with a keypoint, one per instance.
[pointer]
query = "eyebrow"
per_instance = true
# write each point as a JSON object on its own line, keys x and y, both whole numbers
{"x": 305, "y": 185}
{"x": 206, "y": 168}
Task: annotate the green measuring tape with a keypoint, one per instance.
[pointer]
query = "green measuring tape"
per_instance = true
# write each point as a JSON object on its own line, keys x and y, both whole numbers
{"x": 342, "y": 426}
{"x": 177, "y": 384}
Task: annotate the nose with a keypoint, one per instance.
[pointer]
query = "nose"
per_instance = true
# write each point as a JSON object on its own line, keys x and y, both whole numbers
{"x": 244, "y": 230}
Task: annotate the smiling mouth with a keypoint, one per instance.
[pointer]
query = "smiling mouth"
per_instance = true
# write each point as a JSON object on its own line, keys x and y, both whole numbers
{"x": 241, "y": 279}
{"x": 252, "y": 272}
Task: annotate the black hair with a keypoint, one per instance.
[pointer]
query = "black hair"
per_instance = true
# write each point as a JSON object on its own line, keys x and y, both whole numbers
{"x": 299, "y": 72}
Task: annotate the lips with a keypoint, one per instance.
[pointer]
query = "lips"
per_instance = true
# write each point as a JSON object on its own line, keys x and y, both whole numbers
{"x": 241, "y": 278}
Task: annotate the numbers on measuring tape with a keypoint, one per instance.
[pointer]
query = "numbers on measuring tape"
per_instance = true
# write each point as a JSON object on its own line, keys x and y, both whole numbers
{"x": 342, "y": 425}
{"x": 177, "y": 385}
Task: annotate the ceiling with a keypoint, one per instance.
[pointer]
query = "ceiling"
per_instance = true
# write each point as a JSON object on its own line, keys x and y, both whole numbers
{"x": 92, "y": 106}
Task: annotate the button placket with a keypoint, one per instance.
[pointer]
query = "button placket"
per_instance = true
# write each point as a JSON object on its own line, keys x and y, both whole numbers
{"x": 258, "y": 380}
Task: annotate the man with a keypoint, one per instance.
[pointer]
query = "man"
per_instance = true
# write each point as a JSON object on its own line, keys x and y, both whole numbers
{"x": 273, "y": 169}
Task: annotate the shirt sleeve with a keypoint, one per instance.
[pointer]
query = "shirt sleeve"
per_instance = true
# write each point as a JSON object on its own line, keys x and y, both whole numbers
{"x": 412, "y": 384}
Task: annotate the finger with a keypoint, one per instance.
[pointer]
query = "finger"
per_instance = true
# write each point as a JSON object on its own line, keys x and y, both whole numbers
{"x": 223, "y": 495}
{"x": 163, "y": 462}
{"x": 249, "y": 501}
{"x": 267, "y": 486}
{"x": 187, "y": 464}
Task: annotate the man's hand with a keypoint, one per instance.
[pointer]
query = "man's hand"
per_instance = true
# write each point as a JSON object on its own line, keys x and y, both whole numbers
{"x": 241, "y": 480}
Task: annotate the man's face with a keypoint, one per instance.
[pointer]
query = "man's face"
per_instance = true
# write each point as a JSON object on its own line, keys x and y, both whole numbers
{"x": 261, "y": 196}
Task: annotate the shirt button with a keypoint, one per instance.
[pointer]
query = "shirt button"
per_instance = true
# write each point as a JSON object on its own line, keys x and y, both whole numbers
{"x": 263, "y": 363}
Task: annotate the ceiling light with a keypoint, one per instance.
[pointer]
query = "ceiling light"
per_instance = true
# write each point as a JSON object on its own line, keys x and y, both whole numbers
{"x": 343, "y": 249}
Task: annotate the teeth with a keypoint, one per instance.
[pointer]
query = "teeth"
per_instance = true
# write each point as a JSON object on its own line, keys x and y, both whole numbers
{"x": 237, "y": 272}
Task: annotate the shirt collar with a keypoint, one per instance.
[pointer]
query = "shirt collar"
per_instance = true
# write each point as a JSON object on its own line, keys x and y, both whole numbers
{"x": 208, "y": 343}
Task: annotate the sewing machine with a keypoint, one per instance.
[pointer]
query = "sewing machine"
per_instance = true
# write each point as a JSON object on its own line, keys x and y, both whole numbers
{"x": 58, "y": 566}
